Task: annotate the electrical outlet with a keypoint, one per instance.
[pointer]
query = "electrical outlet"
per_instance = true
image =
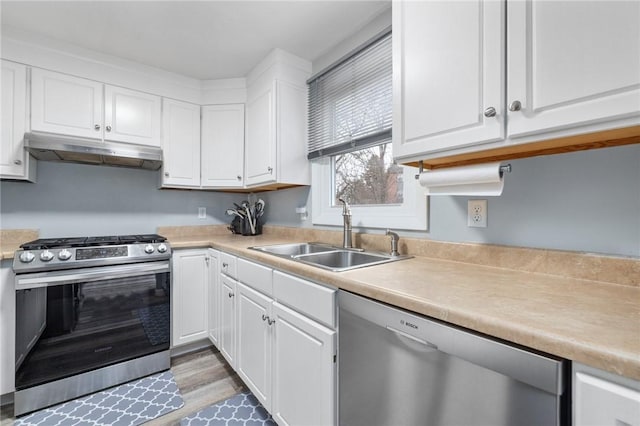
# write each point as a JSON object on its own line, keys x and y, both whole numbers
{"x": 477, "y": 213}
{"x": 202, "y": 212}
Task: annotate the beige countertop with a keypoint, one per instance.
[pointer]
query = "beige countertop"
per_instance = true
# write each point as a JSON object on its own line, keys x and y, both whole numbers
{"x": 592, "y": 322}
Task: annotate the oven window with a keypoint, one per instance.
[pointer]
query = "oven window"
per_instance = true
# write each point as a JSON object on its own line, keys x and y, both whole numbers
{"x": 70, "y": 329}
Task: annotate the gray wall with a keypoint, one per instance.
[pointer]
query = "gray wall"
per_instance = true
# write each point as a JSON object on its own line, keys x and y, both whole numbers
{"x": 76, "y": 199}
{"x": 585, "y": 201}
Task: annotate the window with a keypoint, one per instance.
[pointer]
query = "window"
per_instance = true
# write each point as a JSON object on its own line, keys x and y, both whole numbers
{"x": 350, "y": 120}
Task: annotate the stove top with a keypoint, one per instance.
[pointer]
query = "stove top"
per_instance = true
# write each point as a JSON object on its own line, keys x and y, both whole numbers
{"x": 51, "y": 254}
{"x": 110, "y": 240}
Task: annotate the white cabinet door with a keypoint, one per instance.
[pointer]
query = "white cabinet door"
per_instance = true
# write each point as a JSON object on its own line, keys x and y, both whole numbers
{"x": 228, "y": 319}
{"x": 604, "y": 399}
{"x": 64, "y": 104}
{"x": 180, "y": 144}
{"x": 304, "y": 385}
{"x": 448, "y": 72}
{"x": 291, "y": 165}
{"x": 572, "y": 63}
{"x": 7, "y": 328}
{"x": 260, "y": 152}
{"x": 223, "y": 146}
{"x": 253, "y": 360}
{"x": 131, "y": 116}
{"x": 14, "y": 161}
{"x": 189, "y": 295}
{"x": 214, "y": 297}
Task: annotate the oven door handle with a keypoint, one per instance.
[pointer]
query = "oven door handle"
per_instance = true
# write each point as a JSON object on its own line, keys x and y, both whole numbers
{"x": 47, "y": 279}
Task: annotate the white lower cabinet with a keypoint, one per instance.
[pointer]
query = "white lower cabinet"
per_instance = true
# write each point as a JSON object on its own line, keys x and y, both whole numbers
{"x": 214, "y": 297}
{"x": 604, "y": 399}
{"x": 304, "y": 370}
{"x": 190, "y": 296}
{"x": 255, "y": 339}
{"x": 283, "y": 354}
{"x": 227, "y": 342}
{"x": 7, "y": 328}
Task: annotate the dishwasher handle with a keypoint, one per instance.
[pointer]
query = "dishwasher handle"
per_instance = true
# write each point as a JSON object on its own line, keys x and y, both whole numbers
{"x": 414, "y": 338}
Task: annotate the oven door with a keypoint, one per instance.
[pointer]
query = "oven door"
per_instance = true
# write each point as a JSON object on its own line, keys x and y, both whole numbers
{"x": 74, "y": 321}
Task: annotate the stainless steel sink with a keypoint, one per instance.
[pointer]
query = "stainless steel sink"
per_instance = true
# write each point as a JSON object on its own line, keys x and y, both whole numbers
{"x": 290, "y": 250}
{"x": 328, "y": 257}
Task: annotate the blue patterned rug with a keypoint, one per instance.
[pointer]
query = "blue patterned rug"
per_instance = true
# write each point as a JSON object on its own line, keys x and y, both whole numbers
{"x": 126, "y": 405}
{"x": 241, "y": 409}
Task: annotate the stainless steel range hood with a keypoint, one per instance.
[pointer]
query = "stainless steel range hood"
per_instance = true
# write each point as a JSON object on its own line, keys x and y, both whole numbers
{"x": 47, "y": 147}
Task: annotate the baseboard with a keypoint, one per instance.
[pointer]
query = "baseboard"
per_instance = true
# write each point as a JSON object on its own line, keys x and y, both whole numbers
{"x": 190, "y": 347}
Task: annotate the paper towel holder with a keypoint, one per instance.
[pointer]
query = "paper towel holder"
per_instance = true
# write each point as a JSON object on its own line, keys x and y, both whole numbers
{"x": 503, "y": 169}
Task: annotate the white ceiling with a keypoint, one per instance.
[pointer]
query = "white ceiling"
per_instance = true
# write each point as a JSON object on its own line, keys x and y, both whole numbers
{"x": 200, "y": 39}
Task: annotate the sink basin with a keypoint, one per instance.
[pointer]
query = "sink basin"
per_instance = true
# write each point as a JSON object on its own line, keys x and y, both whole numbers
{"x": 328, "y": 257}
{"x": 343, "y": 260}
{"x": 290, "y": 250}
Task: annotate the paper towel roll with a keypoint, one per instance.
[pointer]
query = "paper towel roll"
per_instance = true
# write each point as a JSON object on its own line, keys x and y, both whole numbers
{"x": 482, "y": 179}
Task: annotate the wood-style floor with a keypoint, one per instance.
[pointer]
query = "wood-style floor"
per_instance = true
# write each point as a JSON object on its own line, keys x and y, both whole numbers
{"x": 204, "y": 378}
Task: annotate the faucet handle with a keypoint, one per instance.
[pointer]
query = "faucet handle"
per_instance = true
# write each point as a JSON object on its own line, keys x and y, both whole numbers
{"x": 394, "y": 242}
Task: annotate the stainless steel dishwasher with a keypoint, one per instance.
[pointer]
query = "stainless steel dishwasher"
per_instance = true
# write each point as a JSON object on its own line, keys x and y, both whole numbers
{"x": 402, "y": 369}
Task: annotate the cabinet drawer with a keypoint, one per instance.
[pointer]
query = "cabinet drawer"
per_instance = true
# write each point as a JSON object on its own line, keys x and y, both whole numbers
{"x": 313, "y": 300}
{"x": 255, "y": 276}
{"x": 228, "y": 265}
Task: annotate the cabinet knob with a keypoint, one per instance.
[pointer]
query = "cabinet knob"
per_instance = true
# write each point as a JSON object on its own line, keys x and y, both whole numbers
{"x": 490, "y": 112}
{"x": 108, "y": 128}
{"x": 270, "y": 170}
{"x": 166, "y": 174}
{"x": 231, "y": 295}
{"x": 17, "y": 162}
{"x": 97, "y": 127}
{"x": 515, "y": 106}
{"x": 239, "y": 177}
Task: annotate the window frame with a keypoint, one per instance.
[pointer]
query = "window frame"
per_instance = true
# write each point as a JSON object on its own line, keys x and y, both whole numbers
{"x": 412, "y": 214}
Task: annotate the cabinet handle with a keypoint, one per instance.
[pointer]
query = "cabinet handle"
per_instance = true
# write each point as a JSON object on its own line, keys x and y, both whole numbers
{"x": 270, "y": 321}
{"x": 166, "y": 174}
{"x": 225, "y": 264}
{"x": 97, "y": 127}
{"x": 231, "y": 295}
{"x": 270, "y": 170}
{"x": 490, "y": 112}
{"x": 239, "y": 177}
{"x": 108, "y": 128}
{"x": 206, "y": 259}
{"x": 515, "y": 106}
{"x": 17, "y": 162}
{"x": 264, "y": 317}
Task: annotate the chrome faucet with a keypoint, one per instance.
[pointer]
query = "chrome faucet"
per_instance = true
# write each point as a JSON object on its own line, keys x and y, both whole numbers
{"x": 394, "y": 242}
{"x": 347, "y": 240}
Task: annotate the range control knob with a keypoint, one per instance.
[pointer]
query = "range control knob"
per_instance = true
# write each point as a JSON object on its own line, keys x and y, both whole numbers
{"x": 46, "y": 256}
{"x": 26, "y": 257}
{"x": 162, "y": 248}
{"x": 64, "y": 254}
{"x": 148, "y": 249}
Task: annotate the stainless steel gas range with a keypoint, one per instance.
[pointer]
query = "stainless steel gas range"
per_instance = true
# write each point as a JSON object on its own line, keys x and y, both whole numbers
{"x": 91, "y": 313}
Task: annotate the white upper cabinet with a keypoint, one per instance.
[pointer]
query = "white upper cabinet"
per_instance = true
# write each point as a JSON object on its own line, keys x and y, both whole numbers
{"x": 448, "y": 75}
{"x": 260, "y": 158}
{"x": 222, "y": 146}
{"x": 67, "y": 105}
{"x": 276, "y": 123}
{"x": 15, "y": 163}
{"x": 79, "y": 107}
{"x": 467, "y": 80}
{"x": 572, "y": 63}
{"x": 131, "y": 116}
{"x": 180, "y": 144}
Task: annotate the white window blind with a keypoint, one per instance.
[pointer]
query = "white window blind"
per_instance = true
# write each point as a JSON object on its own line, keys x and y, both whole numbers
{"x": 350, "y": 105}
